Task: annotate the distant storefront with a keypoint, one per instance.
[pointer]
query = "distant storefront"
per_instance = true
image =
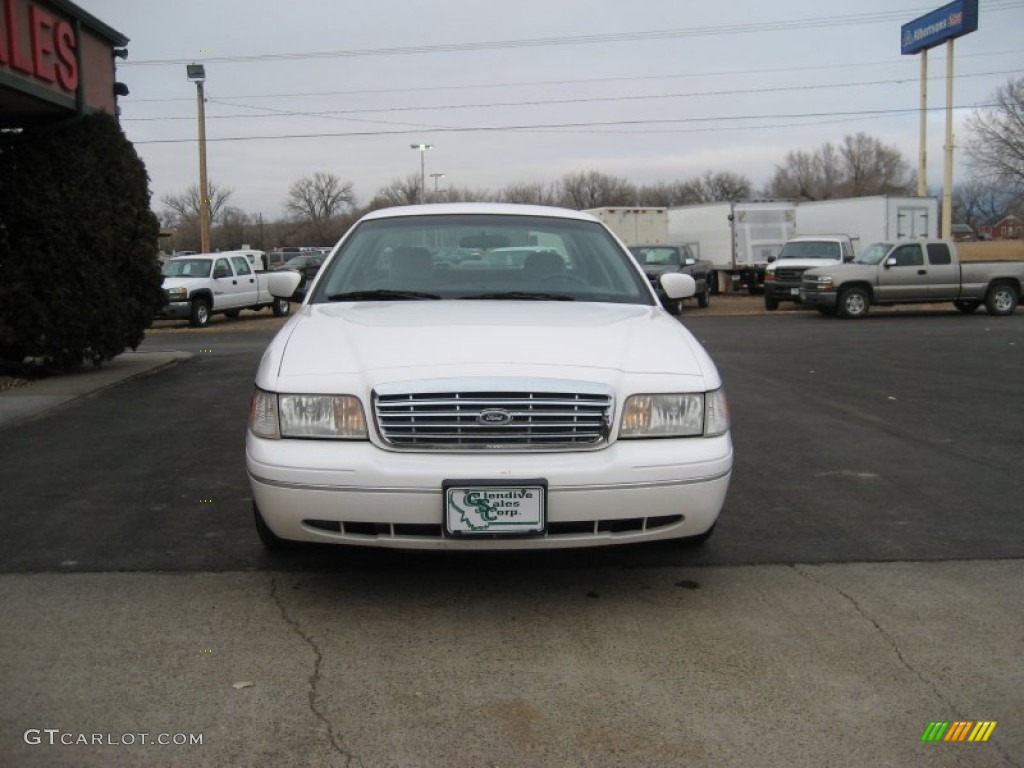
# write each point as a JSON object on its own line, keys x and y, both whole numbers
{"x": 56, "y": 61}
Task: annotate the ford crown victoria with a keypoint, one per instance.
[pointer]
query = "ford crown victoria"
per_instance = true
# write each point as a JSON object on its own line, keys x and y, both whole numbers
{"x": 415, "y": 401}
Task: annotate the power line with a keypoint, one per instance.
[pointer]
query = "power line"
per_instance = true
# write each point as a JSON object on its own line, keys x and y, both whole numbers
{"x": 270, "y": 112}
{"x": 574, "y": 125}
{"x": 577, "y": 81}
{"x": 589, "y": 39}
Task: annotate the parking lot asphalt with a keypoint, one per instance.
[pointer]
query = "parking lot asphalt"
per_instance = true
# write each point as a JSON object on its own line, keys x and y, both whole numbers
{"x": 868, "y": 580}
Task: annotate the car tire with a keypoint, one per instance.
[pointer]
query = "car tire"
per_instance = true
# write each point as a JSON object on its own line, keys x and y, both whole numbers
{"x": 966, "y": 306}
{"x": 200, "y": 317}
{"x": 704, "y": 299}
{"x": 1001, "y": 299}
{"x": 232, "y": 313}
{"x": 770, "y": 302}
{"x": 280, "y": 307}
{"x": 853, "y": 303}
{"x": 271, "y": 541}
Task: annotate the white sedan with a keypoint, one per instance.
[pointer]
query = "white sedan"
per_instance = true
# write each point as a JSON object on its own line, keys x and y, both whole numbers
{"x": 421, "y": 403}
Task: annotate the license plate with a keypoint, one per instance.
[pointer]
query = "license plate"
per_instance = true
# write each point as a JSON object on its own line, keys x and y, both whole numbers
{"x": 794, "y": 291}
{"x": 488, "y": 508}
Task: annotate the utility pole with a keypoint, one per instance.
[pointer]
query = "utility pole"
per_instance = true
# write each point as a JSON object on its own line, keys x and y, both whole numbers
{"x": 197, "y": 73}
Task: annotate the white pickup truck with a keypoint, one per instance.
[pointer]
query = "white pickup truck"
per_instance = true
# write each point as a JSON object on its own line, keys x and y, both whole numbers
{"x": 908, "y": 272}
{"x": 202, "y": 285}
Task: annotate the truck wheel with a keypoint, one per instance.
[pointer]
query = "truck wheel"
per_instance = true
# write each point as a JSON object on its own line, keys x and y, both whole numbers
{"x": 704, "y": 299}
{"x": 232, "y": 313}
{"x": 966, "y": 306}
{"x": 271, "y": 540}
{"x": 280, "y": 307}
{"x": 770, "y": 302}
{"x": 1001, "y": 299}
{"x": 200, "y": 313}
{"x": 853, "y": 303}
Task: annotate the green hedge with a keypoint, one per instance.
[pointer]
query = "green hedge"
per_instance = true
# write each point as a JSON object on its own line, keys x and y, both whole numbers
{"x": 79, "y": 279}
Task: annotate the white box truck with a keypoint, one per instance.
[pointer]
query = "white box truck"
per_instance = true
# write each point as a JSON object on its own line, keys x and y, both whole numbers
{"x": 873, "y": 219}
{"x": 737, "y": 237}
{"x": 635, "y": 226}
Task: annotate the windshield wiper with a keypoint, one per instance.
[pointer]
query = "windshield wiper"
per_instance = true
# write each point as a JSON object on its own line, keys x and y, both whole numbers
{"x": 522, "y": 296}
{"x": 381, "y": 294}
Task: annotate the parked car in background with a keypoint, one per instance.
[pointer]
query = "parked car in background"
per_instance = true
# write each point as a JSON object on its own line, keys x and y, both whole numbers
{"x": 658, "y": 260}
{"x": 784, "y": 273}
{"x": 307, "y": 265}
{"x": 420, "y": 403}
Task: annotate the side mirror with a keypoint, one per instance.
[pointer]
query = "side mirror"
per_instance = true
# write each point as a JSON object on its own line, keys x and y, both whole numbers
{"x": 678, "y": 286}
{"x": 689, "y": 261}
{"x": 771, "y": 259}
{"x": 890, "y": 262}
{"x": 282, "y": 284}
{"x": 848, "y": 258}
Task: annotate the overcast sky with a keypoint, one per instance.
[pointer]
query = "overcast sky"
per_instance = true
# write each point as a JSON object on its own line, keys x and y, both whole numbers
{"x": 649, "y": 90}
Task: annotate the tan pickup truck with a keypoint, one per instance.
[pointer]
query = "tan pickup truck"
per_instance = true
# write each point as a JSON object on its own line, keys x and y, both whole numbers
{"x": 913, "y": 271}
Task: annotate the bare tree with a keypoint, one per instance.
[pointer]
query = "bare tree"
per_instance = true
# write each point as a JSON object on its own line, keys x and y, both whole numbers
{"x": 978, "y": 202}
{"x": 665, "y": 194}
{"x": 872, "y": 168}
{"x": 995, "y": 143}
{"x": 719, "y": 187}
{"x": 405, "y": 191}
{"x": 860, "y": 165}
{"x": 530, "y": 193}
{"x": 186, "y": 207}
{"x": 593, "y": 190}
{"x": 318, "y": 198}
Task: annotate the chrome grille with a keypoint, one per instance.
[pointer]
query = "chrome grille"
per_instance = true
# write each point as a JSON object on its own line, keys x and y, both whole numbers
{"x": 790, "y": 274}
{"x": 493, "y": 420}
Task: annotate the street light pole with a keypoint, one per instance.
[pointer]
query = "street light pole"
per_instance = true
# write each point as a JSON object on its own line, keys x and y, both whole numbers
{"x": 197, "y": 73}
{"x": 423, "y": 168}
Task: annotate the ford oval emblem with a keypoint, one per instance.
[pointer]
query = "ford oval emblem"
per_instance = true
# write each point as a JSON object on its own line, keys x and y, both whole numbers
{"x": 494, "y": 417}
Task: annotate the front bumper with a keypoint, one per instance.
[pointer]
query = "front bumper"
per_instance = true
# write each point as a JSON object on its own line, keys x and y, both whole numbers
{"x": 355, "y": 493}
{"x": 782, "y": 291}
{"x": 814, "y": 298}
{"x": 175, "y": 310}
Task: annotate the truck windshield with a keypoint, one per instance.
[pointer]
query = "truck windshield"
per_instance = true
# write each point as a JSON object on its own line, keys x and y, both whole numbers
{"x": 187, "y": 268}
{"x": 873, "y": 254}
{"x": 810, "y": 249}
{"x": 657, "y": 256}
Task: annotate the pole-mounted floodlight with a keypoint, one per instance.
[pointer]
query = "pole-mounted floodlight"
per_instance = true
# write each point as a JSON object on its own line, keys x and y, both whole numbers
{"x": 196, "y": 72}
{"x": 422, "y": 148}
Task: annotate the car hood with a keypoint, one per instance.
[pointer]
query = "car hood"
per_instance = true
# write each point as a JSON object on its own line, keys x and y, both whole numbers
{"x": 325, "y": 345}
{"x": 801, "y": 263}
{"x": 178, "y": 282}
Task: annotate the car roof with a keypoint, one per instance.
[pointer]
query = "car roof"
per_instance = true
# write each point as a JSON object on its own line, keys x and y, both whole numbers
{"x": 502, "y": 209}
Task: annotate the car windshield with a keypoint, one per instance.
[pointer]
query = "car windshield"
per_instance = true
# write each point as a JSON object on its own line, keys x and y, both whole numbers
{"x": 810, "y": 249}
{"x": 873, "y": 254}
{"x": 657, "y": 256}
{"x": 502, "y": 256}
{"x": 187, "y": 268}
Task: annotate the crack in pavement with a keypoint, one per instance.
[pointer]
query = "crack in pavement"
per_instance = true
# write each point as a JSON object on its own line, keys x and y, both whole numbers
{"x": 314, "y": 678}
{"x": 899, "y": 654}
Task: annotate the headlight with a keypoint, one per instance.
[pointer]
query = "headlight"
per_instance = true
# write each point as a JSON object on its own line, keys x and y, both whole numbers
{"x": 177, "y": 293}
{"x": 338, "y": 417}
{"x": 824, "y": 282}
{"x": 682, "y": 415}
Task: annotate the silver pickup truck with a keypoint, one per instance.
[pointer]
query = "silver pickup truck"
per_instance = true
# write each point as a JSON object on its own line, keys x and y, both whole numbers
{"x": 906, "y": 272}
